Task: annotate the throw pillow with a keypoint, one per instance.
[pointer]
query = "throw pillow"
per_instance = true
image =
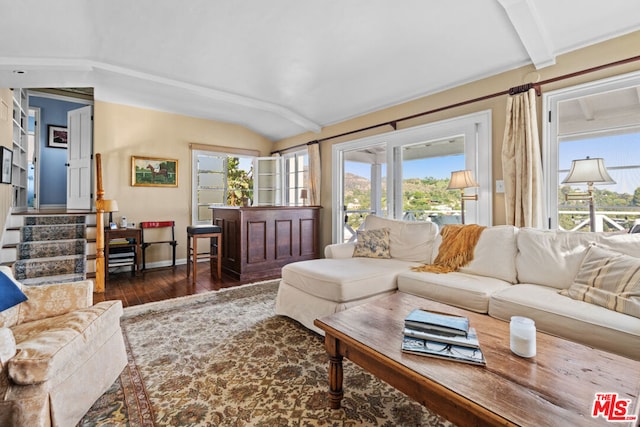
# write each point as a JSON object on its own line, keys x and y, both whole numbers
{"x": 372, "y": 244}
{"x": 608, "y": 279}
{"x": 10, "y": 292}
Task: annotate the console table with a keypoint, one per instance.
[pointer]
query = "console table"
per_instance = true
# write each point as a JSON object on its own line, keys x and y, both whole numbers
{"x": 258, "y": 241}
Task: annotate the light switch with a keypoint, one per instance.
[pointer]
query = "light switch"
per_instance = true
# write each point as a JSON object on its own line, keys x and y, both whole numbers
{"x": 499, "y": 186}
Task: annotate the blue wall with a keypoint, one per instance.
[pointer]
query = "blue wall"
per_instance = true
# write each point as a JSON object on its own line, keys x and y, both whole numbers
{"x": 53, "y": 172}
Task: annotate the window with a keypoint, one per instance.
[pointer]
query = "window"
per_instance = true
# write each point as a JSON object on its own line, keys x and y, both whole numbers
{"x": 598, "y": 119}
{"x": 404, "y": 174}
{"x": 221, "y": 179}
{"x": 296, "y": 175}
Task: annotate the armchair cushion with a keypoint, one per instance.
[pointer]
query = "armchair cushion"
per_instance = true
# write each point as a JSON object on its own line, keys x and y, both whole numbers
{"x": 7, "y": 346}
{"x": 55, "y": 299}
{"x": 48, "y": 347}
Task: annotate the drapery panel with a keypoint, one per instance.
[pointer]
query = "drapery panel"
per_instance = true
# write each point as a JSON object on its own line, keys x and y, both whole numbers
{"x": 522, "y": 163}
{"x": 314, "y": 173}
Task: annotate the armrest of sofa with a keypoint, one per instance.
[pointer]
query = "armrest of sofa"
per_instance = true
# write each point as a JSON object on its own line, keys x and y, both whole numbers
{"x": 339, "y": 250}
{"x": 55, "y": 299}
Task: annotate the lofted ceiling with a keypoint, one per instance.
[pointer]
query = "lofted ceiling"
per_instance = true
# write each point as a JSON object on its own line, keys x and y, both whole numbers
{"x": 284, "y": 67}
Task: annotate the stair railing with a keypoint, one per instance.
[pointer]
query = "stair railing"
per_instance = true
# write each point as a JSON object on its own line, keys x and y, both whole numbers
{"x": 100, "y": 264}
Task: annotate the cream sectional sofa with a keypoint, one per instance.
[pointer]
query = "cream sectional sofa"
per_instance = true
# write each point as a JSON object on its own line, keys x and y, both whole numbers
{"x": 515, "y": 272}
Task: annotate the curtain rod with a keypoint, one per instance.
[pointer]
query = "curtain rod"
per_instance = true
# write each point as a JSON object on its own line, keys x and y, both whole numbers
{"x": 511, "y": 91}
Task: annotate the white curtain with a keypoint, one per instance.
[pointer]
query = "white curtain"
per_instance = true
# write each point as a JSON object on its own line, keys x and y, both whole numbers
{"x": 314, "y": 173}
{"x": 522, "y": 163}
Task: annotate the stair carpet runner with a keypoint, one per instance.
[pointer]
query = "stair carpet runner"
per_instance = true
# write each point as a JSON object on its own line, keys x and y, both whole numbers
{"x": 52, "y": 249}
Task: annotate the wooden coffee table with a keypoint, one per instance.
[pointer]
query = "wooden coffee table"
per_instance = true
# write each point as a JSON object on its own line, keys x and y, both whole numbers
{"x": 557, "y": 387}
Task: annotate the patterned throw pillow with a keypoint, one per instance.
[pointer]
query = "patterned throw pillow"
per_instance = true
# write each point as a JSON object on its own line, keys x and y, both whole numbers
{"x": 10, "y": 293}
{"x": 608, "y": 279}
{"x": 373, "y": 244}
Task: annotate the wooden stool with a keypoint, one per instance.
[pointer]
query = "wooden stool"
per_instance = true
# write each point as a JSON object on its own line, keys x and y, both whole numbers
{"x": 195, "y": 232}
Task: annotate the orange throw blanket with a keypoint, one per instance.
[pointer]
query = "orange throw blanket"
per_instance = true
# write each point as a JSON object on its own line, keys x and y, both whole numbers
{"x": 456, "y": 250}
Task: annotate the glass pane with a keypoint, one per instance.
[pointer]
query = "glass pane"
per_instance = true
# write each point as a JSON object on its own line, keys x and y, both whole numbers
{"x": 211, "y": 196}
{"x": 617, "y": 205}
{"x": 205, "y": 214}
{"x": 364, "y": 187}
{"x": 215, "y": 180}
{"x": 426, "y": 170}
{"x": 210, "y": 163}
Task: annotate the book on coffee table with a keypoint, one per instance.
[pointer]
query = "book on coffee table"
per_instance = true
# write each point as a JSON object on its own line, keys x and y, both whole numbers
{"x": 437, "y": 323}
{"x": 440, "y": 350}
{"x": 471, "y": 340}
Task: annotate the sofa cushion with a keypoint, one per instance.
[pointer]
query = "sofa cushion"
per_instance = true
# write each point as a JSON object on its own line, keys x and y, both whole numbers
{"x": 495, "y": 254}
{"x": 468, "y": 291}
{"x": 48, "y": 346}
{"x": 344, "y": 280}
{"x": 608, "y": 279}
{"x": 408, "y": 240}
{"x": 372, "y": 244}
{"x": 574, "y": 320}
{"x": 561, "y": 252}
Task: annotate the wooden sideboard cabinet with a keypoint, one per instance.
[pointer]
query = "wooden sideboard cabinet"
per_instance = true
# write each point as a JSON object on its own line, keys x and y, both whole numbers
{"x": 258, "y": 241}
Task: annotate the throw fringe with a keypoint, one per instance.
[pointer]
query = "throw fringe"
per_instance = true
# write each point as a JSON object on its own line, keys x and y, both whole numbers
{"x": 456, "y": 250}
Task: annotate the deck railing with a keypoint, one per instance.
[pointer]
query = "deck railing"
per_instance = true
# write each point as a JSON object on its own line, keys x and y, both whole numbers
{"x": 605, "y": 220}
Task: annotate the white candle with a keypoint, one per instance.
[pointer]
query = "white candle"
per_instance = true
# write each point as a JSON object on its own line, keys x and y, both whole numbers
{"x": 522, "y": 333}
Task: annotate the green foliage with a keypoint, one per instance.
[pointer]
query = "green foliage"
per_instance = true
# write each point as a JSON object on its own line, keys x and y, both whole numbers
{"x": 239, "y": 182}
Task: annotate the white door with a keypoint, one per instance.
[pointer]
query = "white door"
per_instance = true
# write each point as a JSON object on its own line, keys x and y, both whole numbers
{"x": 80, "y": 147}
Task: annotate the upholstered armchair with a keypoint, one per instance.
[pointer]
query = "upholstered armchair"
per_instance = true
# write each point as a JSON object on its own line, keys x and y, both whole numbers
{"x": 58, "y": 353}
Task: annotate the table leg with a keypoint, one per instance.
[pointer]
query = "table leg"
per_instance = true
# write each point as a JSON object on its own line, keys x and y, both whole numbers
{"x": 335, "y": 372}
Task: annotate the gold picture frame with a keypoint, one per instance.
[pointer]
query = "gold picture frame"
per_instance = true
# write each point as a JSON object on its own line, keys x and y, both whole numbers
{"x": 154, "y": 172}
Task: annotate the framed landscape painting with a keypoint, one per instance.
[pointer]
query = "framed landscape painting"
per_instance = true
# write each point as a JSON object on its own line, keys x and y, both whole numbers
{"x": 154, "y": 172}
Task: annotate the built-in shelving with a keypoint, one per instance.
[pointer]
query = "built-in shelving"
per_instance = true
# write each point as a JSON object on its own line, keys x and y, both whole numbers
{"x": 19, "y": 147}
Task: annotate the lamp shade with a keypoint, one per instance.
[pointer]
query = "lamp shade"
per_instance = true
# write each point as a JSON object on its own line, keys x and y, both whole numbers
{"x": 110, "y": 205}
{"x": 461, "y": 180}
{"x": 588, "y": 170}
{"x": 303, "y": 193}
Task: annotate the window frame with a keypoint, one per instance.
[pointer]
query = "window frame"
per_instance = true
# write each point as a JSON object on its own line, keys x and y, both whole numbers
{"x": 477, "y": 130}
{"x": 550, "y": 143}
{"x": 213, "y": 151}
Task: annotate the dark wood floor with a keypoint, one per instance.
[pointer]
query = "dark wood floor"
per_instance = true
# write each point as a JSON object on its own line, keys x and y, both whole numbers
{"x": 161, "y": 284}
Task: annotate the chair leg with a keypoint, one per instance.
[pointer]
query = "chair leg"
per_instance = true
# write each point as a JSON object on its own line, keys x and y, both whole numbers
{"x": 188, "y": 256}
{"x": 219, "y": 256}
{"x": 195, "y": 260}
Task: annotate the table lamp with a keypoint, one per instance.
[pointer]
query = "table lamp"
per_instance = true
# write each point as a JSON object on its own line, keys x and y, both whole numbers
{"x": 589, "y": 171}
{"x": 110, "y": 206}
{"x": 459, "y": 181}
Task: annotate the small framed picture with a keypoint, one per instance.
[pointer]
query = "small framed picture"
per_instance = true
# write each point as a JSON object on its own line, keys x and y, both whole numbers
{"x": 113, "y": 226}
{"x": 57, "y": 137}
{"x": 6, "y": 160}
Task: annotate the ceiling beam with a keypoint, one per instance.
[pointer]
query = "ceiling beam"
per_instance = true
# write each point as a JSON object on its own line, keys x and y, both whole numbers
{"x": 525, "y": 19}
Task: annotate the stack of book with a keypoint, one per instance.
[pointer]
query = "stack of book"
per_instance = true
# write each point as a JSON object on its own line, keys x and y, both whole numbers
{"x": 441, "y": 335}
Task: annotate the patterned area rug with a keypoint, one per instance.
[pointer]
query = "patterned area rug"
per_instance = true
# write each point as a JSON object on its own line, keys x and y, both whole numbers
{"x": 225, "y": 359}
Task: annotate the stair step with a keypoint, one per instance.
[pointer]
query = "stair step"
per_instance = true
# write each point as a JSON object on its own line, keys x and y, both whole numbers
{"x": 30, "y": 233}
{"x": 38, "y": 267}
{"x": 46, "y": 280}
{"x": 51, "y": 248}
{"x": 54, "y": 220}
